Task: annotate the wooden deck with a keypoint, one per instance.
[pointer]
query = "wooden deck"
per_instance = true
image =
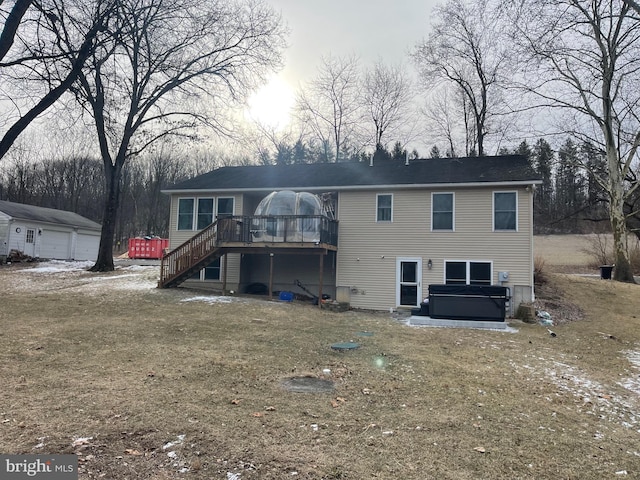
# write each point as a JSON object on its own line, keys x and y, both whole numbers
{"x": 286, "y": 234}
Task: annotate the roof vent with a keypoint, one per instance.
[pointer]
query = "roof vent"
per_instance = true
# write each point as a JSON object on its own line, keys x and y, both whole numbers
{"x": 406, "y": 158}
{"x": 371, "y": 161}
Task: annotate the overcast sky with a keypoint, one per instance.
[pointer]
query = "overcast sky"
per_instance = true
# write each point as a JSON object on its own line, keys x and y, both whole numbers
{"x": 370, "y": 29}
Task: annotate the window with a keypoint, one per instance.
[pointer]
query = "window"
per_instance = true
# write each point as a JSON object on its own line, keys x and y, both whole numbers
{"x": 185, "y": 213}
{"x": 384, "y": 208}
{"x": 212, "y": 271}
{"x": 30, "y": 236}
{"x": 225, "y": 206}
{"x": 505, "y": 211}
{"x": 467, "y": 273}
{"x": 442, "y": 211}
{"x": 205, "y": 213}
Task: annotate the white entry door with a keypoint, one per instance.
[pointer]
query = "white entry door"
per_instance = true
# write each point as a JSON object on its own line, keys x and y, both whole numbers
{"x": 30, "y": 242}
{"x": 408, "y": 281}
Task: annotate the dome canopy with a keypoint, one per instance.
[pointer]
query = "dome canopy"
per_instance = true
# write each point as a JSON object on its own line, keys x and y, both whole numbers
{"x": 287, "y": 202}
{"x": 290, "y": 217}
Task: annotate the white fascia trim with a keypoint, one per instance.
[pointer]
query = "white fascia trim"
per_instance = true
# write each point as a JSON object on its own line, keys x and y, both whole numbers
{"x": 401, "y": 186}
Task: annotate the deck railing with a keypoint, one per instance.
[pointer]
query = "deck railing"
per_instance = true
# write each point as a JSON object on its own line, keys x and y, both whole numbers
{"x": 195, "y": 253}
{"x": 186, "y": 256}
{"x": 278, "y": 229}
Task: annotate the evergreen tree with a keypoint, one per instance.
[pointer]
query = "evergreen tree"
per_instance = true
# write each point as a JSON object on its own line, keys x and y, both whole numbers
{"x": 543, "y": 159}
{"x": 398, "y": 153}
{"x": 570, "y": 184}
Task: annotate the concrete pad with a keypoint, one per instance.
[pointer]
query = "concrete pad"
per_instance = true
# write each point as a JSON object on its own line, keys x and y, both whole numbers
{"x": 418, "y": 320}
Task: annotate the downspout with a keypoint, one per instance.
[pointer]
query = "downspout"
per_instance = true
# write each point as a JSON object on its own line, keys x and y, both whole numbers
{"x": 532, "y": 190}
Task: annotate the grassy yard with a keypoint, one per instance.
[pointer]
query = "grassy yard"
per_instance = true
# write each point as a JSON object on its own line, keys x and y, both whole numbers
{"x": 166, "y": 384}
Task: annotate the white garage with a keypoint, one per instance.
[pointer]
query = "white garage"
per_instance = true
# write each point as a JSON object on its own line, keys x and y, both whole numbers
{"x": 40, "y": 232}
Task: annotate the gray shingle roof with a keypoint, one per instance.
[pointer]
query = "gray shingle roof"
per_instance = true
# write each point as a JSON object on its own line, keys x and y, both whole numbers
{"x": 510, "y": 169}
{"x": 47, "y": 215}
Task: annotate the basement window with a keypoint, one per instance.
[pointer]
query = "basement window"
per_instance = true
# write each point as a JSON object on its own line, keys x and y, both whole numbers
{"x": 467, "y": 273}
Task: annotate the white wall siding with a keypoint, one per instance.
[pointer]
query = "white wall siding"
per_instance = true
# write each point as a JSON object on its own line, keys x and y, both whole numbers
{"x": 87, "y": 245}
{"x": 55, "y": 244}
{"x": 4, "y": 236}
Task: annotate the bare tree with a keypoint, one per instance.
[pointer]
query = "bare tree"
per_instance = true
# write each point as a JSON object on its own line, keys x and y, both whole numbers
{"x": 47, "y": 50}
{"x": 164, "y": 60}
{"x": 634, "y": 5}
{"x": 12, "y": 18}
{"x": 330, "y": 104}
{"x": 585, "y": 60}
{"x": 464, "y": 48}
{"x": 387, "y": 92}
{"x": 444, "y": 124}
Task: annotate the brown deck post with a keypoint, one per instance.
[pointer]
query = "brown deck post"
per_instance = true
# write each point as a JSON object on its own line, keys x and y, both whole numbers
{"x": 320, "y": 282}
{"x": 224, "y": 274}
{"x": 270, "y": 276}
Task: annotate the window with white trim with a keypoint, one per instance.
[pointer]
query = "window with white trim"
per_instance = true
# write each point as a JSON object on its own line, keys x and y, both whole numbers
{"x": 212, "y": 271}
{"x": 467, "y": 272}
{"x": 185, "y": 213}
{"x": 384, "y": 207}
{"x": 205, "y": 213}
{"x": 225, "y": 206}
{"x": 505, "y": 211}
{"x": 442, "y": 211}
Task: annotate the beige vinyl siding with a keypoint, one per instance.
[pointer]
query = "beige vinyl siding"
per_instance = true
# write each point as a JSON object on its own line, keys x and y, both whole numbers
{"x": 178, "y": 237}
{"x": 363, "y": 243}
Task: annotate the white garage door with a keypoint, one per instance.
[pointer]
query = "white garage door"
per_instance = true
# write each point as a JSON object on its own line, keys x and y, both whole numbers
{"x": 55, "y": 245}
{"x": 87, "y": 247}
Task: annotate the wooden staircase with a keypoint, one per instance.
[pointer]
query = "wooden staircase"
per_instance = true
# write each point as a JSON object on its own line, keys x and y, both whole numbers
{"x": 190, "y": 257}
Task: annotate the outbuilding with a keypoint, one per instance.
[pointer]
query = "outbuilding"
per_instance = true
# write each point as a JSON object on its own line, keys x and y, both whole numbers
{"x": 49, "y": 233}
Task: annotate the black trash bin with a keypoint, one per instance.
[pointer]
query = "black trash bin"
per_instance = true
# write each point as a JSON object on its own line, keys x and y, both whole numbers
{"x": 605, "y": 272}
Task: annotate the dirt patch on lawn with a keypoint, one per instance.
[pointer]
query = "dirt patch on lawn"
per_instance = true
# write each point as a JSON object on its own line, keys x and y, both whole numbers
{"x": 551, "y": 298}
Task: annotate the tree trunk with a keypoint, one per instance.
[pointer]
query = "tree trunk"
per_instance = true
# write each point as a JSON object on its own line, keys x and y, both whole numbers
{"x": 104, "y": 262}
{"x": 622, "y": 271}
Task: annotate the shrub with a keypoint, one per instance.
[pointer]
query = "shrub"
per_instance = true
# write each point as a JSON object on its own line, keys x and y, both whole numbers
{"x": 539, "y": 271}
{"x": 600, "y": 249}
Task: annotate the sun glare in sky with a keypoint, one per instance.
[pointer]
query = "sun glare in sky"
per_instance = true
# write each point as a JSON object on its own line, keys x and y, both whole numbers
{"x": 271, "y": 105}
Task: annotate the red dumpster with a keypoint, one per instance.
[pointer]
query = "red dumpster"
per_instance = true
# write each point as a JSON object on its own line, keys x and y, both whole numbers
{"x": 147, "y": 247}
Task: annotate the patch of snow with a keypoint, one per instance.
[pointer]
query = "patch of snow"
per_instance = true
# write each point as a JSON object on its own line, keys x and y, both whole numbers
{"x": 211, "y": 299}
{"x": 178, "y": 441}
{"x": 632, "y": 383}
{"x": 79, "y": 441}
{"x": 73, "y": 276}
{"x": 56, "y": 266}
{"x": 592, "y": 397}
